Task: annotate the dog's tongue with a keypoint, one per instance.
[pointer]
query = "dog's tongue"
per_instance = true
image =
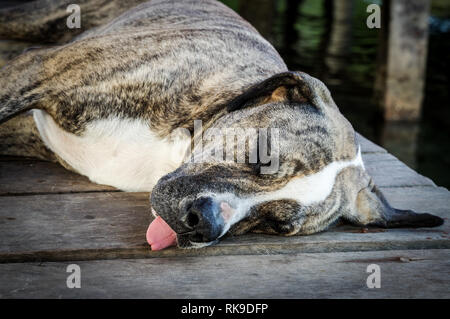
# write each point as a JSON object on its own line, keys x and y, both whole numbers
{"x": 160, "y": 235}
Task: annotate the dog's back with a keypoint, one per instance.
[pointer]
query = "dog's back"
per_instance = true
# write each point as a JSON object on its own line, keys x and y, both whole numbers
{"x": 164, "y": 63}
{"x": 218, "y": 55}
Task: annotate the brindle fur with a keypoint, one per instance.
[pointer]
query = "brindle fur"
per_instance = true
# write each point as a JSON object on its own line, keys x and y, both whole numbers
{"x": 170, "y": 62}
{"x": 20, "y": 137}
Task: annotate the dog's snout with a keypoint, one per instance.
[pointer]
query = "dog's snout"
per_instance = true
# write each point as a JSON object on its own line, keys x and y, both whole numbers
{"x": 193, "y": 212}
{"x": 192, "y": 218}
{"x": 202, "y": 217}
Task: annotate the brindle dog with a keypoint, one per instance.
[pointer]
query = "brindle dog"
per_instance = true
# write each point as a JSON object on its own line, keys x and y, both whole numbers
{"x": 107, "y": 101}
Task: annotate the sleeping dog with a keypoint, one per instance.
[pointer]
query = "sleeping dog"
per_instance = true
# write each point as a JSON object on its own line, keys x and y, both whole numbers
{"x": 146, "y": 98}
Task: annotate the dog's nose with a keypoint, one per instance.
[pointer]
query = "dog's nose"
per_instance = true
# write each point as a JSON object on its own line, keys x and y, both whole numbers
{"x": 202, "y": 217}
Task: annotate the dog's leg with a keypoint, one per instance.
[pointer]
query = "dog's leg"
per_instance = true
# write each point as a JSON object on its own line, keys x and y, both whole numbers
{"x": 44, "y": 21}
{"x": 21, "y": 86}
{"x": 24, "y": 86}
{"x": 20, "y": 137}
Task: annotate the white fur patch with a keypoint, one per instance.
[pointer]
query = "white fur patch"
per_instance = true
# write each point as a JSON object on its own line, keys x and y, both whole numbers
{"x": 200, "y": 245}
{"x": 123, "y": 153}
{"x": 306, "y": 190}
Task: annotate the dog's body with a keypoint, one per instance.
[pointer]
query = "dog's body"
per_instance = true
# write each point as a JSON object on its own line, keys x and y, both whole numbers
{"x": 191, "y": 78}
{"x": 107, "y": 105}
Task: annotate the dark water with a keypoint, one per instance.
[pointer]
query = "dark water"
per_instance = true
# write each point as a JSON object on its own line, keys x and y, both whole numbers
{"x": 343, "y": 55}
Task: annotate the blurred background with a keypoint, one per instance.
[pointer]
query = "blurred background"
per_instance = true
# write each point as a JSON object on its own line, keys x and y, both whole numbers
{"x": 331, "y": 41}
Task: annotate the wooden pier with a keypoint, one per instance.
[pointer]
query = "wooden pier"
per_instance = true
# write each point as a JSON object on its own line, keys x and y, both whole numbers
{"x": 51, "y": 218}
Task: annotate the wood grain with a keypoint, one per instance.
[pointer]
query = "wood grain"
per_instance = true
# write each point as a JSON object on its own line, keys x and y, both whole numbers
{"x": 27, "y": 176}
{"x": 388, "y": 171}
{"x": 113, "y": 225}
{"x": 404, "y": 274}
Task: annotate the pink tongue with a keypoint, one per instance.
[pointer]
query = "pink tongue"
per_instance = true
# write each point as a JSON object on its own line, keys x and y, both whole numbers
{"x": 160, "y": 235}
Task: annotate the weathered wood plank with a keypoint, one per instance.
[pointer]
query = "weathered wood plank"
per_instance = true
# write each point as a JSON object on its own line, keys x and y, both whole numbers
{"x": 80, "y": 223}
{"x": 434, "y": 200}
{"x": 33, "y": 176}
{"x": 368, "y": 146}
{"x": 388, "y": 171}
{"x": 113, "y": 225}
{"x": 404, "y": 274}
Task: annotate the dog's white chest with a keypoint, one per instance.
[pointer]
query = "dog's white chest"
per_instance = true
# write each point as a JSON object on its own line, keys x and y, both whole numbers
{"x": 123, "y": 153}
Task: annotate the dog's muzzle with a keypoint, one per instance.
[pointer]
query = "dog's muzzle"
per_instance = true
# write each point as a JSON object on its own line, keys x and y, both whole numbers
{"x": 202, "y": 220}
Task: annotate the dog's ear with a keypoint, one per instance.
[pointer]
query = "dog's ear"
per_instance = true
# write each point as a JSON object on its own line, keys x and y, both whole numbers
{"x": 296, "y": 87}
{"x": 372, "y": 209}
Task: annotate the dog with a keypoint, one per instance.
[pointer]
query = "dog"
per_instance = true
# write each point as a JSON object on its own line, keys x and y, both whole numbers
{"x": 119, "y": 103}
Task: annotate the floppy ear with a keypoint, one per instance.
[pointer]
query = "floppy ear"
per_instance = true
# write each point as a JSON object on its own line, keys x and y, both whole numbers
{"x": 372, "y": 209}
{"x": 287, "y": 86}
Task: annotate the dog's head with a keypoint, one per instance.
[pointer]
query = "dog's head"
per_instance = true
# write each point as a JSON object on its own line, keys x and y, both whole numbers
{"x": 268, "y": 165}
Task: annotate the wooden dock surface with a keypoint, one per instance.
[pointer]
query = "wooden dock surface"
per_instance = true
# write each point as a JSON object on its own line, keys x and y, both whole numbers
{"x": 51, "y": 218}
